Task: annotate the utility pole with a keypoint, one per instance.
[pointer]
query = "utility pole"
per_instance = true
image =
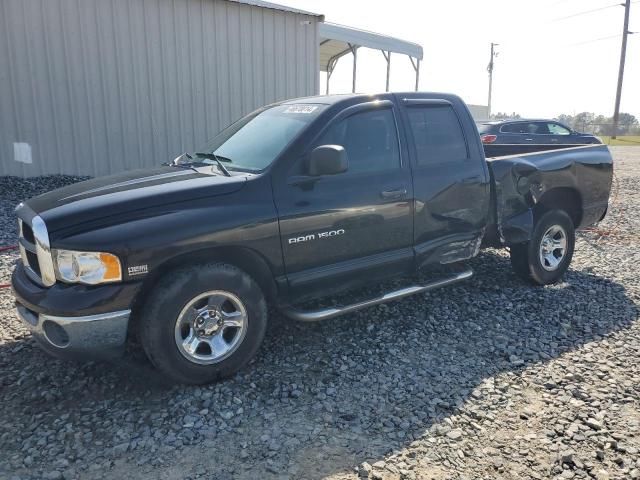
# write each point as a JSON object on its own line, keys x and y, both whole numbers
{"x": 490, "y": 70}
{"x": 623, "y": 54}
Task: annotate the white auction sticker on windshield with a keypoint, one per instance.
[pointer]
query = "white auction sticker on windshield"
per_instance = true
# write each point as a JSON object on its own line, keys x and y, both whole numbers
{"x": 300, "y": 109}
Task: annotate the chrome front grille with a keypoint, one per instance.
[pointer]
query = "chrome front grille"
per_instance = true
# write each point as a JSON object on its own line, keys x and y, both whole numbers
{"x": 35, "y": 250}
{"x": 27, "y": 246}
{"x": 27, "y": 232}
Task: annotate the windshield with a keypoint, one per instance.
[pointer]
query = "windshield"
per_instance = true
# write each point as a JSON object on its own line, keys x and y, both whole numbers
{"x": 253, "y": 142}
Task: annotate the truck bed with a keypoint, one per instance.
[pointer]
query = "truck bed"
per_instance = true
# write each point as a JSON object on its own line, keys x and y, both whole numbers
{"x": 521, "y": 183}
{"x": 504, "y": 150}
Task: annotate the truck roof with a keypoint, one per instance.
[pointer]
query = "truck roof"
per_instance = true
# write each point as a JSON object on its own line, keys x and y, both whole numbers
{"x": 342, "y": 97}
{"x": 515, "y": 120}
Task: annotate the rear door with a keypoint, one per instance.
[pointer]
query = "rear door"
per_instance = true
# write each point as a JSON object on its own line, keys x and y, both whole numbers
{"x": 450, "y": 180}
{"x": 341, "y": 229}
{"x": 512, "y": 133}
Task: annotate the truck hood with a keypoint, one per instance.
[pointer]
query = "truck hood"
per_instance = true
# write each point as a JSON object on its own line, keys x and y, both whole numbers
{"x": 126, "y": 192}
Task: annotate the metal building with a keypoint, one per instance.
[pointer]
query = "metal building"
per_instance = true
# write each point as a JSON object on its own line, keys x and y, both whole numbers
{"x": 92, "y": 87}
{"x": 479, "y": 112}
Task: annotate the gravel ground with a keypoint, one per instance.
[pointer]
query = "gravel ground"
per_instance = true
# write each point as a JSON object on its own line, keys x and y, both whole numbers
{"x": 488, "y": 379}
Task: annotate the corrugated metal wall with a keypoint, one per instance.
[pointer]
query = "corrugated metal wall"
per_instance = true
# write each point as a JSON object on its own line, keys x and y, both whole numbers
{"x": 92, "y": 87}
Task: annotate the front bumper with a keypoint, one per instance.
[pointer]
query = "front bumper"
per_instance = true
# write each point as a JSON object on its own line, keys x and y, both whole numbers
{"x": 75, "y": 321}
{"x": 100, "y": 336}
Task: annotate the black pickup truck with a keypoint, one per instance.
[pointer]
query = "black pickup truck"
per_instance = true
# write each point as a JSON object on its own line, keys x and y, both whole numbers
{"x": 296, "y": 201}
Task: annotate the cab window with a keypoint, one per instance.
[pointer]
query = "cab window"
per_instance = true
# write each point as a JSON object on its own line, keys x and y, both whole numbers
{"x": 370, "y": 139}
{"x": 437, "y": 135}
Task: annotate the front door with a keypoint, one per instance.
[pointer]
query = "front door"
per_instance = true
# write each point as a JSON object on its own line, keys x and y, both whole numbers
{"x": 343, "y": 229}
{"x": 560, "y": 134}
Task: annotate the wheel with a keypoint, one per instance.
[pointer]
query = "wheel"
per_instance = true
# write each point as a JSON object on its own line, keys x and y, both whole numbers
{"x": 546, "y": 257}
{"x": 203, "y": 323}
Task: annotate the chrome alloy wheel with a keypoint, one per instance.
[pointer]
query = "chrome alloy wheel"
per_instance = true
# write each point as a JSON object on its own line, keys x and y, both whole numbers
{"x": 211, "y": 327}
{"x": 553, "y": 248}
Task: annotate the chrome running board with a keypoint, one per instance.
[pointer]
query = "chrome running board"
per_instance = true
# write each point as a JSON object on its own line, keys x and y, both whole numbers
{"x": 326, "y": 313}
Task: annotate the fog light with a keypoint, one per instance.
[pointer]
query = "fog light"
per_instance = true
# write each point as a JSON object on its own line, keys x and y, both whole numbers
{"x": 55, "y": 334}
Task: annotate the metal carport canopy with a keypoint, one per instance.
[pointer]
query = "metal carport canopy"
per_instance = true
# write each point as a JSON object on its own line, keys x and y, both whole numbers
{"x": 338, "y": 40}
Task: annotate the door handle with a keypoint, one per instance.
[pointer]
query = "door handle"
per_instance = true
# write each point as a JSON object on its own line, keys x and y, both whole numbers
{"x": 393, "y": 194}
{"x": 529, "y": 139}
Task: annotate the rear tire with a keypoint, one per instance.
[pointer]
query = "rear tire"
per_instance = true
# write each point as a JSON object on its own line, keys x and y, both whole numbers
{"x": 546, "y": 257}
{"x": 203, "y": 323}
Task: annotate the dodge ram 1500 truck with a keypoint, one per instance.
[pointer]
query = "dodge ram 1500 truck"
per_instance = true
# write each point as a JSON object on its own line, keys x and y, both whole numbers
{"x": 297, "y": 200}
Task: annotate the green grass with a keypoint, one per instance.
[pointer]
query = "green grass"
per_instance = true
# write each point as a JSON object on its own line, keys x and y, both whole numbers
{"x": 627, "y": 140}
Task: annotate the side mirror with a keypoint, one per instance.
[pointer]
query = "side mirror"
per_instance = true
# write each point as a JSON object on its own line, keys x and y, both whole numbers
{"x": 328, "y": 160}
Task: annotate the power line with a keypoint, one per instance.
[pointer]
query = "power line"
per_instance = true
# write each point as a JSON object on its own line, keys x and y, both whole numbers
{"x": 585, "y": 12}
{"x": 522, "y": 45}
{"x": 629, "y": 32}
{"x": 595, "y": 40}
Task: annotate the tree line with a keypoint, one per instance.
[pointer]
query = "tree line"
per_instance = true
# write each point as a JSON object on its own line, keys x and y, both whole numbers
{"x": 589, "y": 122}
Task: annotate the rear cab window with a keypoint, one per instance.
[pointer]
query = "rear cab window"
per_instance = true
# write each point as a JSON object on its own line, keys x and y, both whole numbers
{"x": 437, "y": 135}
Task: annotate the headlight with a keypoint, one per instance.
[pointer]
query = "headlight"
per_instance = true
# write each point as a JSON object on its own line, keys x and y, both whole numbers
{"x": 86, "y": 267}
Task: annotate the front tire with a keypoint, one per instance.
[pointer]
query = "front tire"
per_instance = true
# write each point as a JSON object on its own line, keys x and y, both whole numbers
{"x": 203, "y": 323}
{"x": 546, "y": 257}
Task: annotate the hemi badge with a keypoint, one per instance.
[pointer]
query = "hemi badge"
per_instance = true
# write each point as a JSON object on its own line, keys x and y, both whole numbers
{"x": 137, "y": 270}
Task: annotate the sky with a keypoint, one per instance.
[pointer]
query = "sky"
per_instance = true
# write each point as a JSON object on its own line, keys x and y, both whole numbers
{"x": 547, "y": 64}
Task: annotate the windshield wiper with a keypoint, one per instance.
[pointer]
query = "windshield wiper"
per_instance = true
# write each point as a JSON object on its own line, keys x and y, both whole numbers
{"x": 180, "y": 162}
{"x": 214, "y": 157}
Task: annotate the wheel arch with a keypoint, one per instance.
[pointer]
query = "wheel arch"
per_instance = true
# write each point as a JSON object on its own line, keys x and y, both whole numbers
{"x": 567, "y": 199}
{"x": 244, "y": 258}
